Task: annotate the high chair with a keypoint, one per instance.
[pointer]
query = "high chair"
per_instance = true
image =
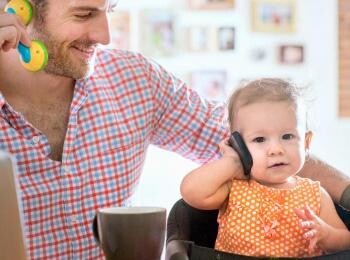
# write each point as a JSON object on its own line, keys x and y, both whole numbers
{"x": 191, "y": 234}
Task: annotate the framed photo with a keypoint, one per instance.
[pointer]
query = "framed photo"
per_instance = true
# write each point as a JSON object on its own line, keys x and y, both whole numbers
{"x": 198, "y": 38}
{"x": 120, "y": 30}
{"x": 273, "y": 15}
{"x": 157, "y": 33}
{"x": 291, "y": 54}
{"x": 212, "y": 4}
{"x": 226, "y": 38}
{"x": 258, "y": 54}
{"x": 210, "y": 84}
{"x": 201, "y": 38}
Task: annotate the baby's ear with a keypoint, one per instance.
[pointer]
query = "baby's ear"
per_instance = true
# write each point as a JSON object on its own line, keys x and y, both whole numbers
{"x": 308, "y": 137}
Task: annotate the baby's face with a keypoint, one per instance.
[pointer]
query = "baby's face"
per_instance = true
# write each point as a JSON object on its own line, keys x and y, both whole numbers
{"x": 275, "y": 136}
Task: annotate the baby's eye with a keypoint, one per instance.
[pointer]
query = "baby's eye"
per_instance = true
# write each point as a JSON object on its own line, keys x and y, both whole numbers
{"x": 287, "y": 136}
{"x": 259, "y": 139}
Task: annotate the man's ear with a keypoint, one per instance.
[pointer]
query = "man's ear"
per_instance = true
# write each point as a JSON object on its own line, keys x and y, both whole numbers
{"x": 308, "y": 138}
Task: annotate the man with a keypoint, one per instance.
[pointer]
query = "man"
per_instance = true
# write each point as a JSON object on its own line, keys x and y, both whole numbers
{"x": 80, "y": 129}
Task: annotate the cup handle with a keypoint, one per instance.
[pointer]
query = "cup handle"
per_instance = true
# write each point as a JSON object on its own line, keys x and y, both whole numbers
{"x": 95, "y": 230}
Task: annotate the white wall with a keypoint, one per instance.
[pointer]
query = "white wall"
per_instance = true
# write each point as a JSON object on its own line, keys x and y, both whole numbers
{"x": 316, "y": 30}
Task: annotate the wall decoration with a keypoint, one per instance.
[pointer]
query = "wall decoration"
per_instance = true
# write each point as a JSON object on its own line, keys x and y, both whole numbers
{"x": 158, "y": 33}
{"x": 273, "y": 15}
{"x": 258, "y": 54}
{"x": 210, "y": 84}
{"x": 198, "y": 38}
{"x": 120, "y": 30}
{"x": 226, "y": 38}
{"x": 291, "y": 54}
{"x": 206, "y": 39}
{"x": 211, "y": 4}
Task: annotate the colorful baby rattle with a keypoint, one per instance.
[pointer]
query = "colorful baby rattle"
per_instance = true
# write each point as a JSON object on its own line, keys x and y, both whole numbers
{"x": 33, "y": 58}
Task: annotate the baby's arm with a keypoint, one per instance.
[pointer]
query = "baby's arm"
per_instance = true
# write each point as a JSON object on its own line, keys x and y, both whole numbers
{"x": 208, "y": 186}
{"x": 327, "y": 232}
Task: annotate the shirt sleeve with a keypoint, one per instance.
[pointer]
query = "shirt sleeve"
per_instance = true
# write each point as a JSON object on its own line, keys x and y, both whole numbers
{"x": 183, "y": 122}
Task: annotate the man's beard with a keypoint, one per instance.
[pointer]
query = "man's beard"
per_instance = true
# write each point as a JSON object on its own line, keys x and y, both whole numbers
{"x": 61, "y": 61}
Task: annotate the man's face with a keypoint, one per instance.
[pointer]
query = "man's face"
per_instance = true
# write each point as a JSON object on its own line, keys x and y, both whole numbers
{"x": 71, "y": 31}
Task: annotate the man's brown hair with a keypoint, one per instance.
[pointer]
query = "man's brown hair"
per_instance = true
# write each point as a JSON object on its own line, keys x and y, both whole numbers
{"x": 39, "y": 10}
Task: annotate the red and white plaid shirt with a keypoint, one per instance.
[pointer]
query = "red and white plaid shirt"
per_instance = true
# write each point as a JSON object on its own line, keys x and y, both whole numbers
{"x": 127, "y": 104}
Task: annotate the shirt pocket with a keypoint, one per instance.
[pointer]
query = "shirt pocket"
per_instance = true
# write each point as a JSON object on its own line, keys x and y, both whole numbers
{"x": 111, "y": 172}
{"x": 120, "y": 153}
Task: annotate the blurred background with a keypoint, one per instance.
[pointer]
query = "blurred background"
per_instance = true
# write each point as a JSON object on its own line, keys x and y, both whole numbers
{"x": 214, "y": 45}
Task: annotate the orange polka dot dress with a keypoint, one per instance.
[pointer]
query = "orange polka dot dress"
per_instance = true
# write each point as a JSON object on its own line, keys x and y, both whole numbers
{"x": 260, "y": 221}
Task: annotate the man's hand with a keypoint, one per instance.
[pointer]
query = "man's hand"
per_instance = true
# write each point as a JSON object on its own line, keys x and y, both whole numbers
{"x": 316, "y": 230}
{"x": 12, "y": 31}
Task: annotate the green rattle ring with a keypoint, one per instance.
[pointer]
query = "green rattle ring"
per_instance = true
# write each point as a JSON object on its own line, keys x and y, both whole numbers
{"x": 34, "y": 58}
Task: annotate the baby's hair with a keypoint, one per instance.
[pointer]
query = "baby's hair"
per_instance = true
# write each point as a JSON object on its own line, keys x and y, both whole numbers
{"x": 265, "y": 89}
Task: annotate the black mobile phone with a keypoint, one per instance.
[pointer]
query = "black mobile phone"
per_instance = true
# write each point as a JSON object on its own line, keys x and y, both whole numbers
{"x": 237, "y": 143}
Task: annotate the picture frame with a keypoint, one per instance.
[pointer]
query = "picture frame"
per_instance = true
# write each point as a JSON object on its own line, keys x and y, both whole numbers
{"x": 120, "y": 30}
{"x": 198, "y": 38}
{"x": 274, "y": 16}
{"x": 210, "y": 84}
{"x": 226, "y": 38}
{"x": 157, "y": 33}
{"x": 201, "y": 38}
{"x": 259, "y": 53}
{"x": 211, "y": 4}
{"x": 291, "y": 54}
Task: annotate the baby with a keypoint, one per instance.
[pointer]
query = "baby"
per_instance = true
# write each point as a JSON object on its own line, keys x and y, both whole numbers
{"x": 275, "y": 213}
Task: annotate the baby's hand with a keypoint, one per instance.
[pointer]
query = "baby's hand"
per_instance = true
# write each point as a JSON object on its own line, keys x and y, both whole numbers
{"x": 316, "y": 230}
{"x": 227, "y": 150}
{"x": 229, "y": 154}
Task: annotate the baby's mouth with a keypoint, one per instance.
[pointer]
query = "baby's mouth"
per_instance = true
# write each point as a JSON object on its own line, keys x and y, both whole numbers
{"x": 277, "y": 165}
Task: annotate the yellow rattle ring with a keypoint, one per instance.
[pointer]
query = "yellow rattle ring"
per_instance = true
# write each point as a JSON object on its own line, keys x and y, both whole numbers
{"x": 33, "y": 58}
{"x": 22, "y": 8}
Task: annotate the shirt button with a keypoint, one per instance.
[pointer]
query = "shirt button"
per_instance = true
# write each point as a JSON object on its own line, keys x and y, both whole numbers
{"x": 36, "y": 139}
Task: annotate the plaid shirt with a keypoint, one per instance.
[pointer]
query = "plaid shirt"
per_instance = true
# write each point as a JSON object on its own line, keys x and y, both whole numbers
{"x": 127, "y": 104}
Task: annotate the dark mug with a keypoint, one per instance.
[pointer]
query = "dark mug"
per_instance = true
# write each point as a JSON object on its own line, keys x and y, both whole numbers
{"x": 130, "y": 233}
